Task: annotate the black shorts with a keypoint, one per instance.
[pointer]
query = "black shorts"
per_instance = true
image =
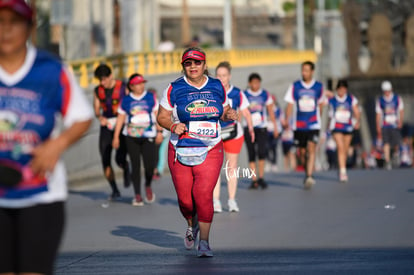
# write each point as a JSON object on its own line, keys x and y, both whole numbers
{"x": 259, "y": 147}
{"x": 407, "y": 130}
{"x": 356, "y": 138}
{"x": 303, "y": 137}
{"x": 30, "y": 238}
{"x": 341, "y": 132}
{"x": 106, "y": 137}
{"x": 286, "y": 147}
{"x": 391, "y": 136}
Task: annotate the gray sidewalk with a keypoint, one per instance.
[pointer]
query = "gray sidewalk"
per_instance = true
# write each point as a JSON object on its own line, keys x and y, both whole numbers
{"x": 365, "y": 226}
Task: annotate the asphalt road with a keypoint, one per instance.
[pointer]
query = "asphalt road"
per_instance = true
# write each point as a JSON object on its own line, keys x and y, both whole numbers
{"x": 365, "y": 226}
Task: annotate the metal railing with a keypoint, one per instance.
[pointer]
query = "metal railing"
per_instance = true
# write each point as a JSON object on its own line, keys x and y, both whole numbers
{"x": 153, "y": 63}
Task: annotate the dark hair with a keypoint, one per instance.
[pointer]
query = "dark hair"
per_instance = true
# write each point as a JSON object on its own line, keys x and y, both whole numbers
{"x": 254, "y": 76}
{"x": 102, "y": 70}
{"x": 130, "y": 78}
{"x": 224, "y": 64}
{"x": 342, "y": 83}
{"x": 195, "y": 49}
{"x": 310, "y": 63}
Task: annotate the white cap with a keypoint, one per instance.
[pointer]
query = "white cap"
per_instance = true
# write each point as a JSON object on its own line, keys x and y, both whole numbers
{"x": 386, "y": 86}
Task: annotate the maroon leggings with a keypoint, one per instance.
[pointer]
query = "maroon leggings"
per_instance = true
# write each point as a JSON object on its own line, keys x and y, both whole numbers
{"x": 195, "y": 184}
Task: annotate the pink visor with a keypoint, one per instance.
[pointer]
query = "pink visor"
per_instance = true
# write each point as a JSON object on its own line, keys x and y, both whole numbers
{"x": 196, "y": 55}
{"x": 137, "y": 80}
{"x": 18, "y": 6}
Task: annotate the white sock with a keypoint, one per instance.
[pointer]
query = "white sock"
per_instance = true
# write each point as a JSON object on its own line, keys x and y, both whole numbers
{"x": 342, "y": 170}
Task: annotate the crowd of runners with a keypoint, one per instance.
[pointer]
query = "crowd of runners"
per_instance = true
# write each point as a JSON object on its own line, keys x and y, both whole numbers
{"x": 200, "y": 122}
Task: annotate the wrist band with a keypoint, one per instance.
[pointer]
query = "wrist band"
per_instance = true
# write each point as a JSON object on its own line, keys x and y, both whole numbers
{"x": 172, "y": 126}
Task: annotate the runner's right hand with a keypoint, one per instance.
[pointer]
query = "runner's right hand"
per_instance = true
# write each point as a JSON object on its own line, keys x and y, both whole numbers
{"x": 103, "y": 121}
{"x": 180, "y": 129}
{"x": 115, "y": 143}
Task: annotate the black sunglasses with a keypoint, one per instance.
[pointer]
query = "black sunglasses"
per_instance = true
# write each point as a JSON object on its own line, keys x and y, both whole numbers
{"x": 188, "y": 63}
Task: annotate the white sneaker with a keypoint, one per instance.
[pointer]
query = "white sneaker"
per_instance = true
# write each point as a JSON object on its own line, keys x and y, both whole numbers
{"x": 189, "y": 238}
{"x": 233, "y": 207}
{"x": 204, "y": 249}
{"x": 309, "y": 182}
{"x": 388, "y": 165}
{"x": 343, "y": 177}
{"x": 217, "y": 206}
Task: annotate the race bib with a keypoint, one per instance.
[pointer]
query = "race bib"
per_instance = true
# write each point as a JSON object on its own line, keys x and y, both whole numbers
{"x": 203, "y": 129}
{"x": 141, "y": 120}
{"x": 306, "y": 104}
{"x": 256, "y": 119}
{"x": 111, "y": 122}
{"x": 390, "y": 118}
{"x": 342, "y": 116}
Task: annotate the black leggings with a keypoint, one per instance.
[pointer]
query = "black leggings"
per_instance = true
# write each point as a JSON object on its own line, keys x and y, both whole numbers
{"x": 259, "y": 145}
{"x": 30, "y": 238}
{"x": 272, "y": 149}
{"x": 137, "y": 147}
{"x": 105, "y": 148}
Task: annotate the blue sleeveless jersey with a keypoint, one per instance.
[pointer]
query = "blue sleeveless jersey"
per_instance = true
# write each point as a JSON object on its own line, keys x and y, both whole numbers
{"x": 141, "y": 120}
{"x": 342, "y": 114}
{"x": 307, "y": 110}
{"x": 258, "y": 108}
{"x": 27, "y": 118}
{"x": 194, "y": 104}
{"x": 390, "y": 111}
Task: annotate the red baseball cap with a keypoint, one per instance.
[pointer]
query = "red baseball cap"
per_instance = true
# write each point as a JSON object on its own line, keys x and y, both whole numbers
{"x": 138, "y": 79}
{"x": 18, "y": 6}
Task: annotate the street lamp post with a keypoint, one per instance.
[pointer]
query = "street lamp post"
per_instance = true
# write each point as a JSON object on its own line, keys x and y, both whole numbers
{"x": 227, "y": 24}
{"x": 300, "y": 25}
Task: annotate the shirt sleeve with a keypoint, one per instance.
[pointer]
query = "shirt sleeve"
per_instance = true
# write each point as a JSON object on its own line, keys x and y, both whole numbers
{"x": 75, "y": 106}
{"x": 322, "y": 98}
{"x": 269, "y": 100}
{"x": 289, "y": 95}
{"x": 354, "y": 101}
{"x": 166, "y": 99}
{"x": 121, "y": 110}
{"x": 244, "y": 102}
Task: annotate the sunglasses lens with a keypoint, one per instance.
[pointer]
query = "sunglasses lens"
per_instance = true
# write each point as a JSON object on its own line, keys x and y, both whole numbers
{"x": 190, "y": 62}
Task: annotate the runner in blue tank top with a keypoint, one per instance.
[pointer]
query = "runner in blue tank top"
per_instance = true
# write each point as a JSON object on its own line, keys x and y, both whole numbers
{"x": 42, "y": 112}
{"x": 139, "y": 109}
{"x": 389, "y": 118}
{"x": 261, "y": 109}
{"x": 344, "y": 118}
{"x": 191, "y": 108}
{"x": 233, "y": 137}
{"x": 304, "y": 99}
